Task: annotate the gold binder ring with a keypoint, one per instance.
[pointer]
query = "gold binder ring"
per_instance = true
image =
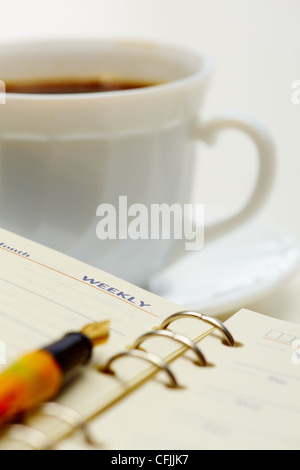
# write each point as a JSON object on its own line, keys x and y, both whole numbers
{"x": 176, "y": 337}
{"x": 31, "y": 437}
{"x": 68, "y": 416}
{"x": 200, "y": 316}
{"x": 146, "y": 356}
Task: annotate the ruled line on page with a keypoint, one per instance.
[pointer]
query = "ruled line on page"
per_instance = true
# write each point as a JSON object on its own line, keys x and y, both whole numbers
{"x": 78, "y": 280}
{"x": 72, "y": 289}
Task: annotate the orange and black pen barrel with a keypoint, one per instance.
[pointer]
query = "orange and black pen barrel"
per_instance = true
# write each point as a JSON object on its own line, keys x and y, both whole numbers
{"x": 39, "y": 376}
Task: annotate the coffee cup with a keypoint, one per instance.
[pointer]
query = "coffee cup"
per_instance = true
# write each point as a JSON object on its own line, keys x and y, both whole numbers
{"x": 64, "y": 154}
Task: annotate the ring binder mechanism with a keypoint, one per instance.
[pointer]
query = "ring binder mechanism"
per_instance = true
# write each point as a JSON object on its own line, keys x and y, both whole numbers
{"x": 29, "y": 436}
{"x": 65, "y": 292}
{"x": 35, "y": 439}
{"x": 146, "y": 356}
{"x": 200, "y": 316}
{"x": 162, "y": 332}
{"x": 68, "y": 416}
{"x": 176, "y": 337}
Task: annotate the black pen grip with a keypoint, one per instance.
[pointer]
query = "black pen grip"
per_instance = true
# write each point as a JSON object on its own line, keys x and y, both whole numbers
{"x": 71, "y": 351}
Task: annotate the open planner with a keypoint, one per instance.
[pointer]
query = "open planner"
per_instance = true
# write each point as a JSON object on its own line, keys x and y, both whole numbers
{"x": 179, "y": 381}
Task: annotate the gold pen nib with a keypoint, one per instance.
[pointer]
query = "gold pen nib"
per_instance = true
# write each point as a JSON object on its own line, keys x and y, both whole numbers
{"x": 97, "y": 332}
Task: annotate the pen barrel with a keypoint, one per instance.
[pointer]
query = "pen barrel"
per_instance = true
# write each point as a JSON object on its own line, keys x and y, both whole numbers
{"x": 71, "y": 351}
{"x": 39, "y": 376}
{"x": 29, "y": 382}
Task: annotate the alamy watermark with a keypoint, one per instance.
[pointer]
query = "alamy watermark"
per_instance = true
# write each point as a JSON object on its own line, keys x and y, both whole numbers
{"x": 296, "y": 92}
{"x": 159, "y": 221}
{"x": 295, "y": 358}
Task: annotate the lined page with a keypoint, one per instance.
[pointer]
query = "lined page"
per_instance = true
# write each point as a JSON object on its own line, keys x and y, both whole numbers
{"x": 45, "y": 294}
{"x": 249, "y": 399}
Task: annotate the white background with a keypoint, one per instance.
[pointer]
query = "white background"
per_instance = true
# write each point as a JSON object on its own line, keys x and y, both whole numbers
{"x": 255, "y": 46}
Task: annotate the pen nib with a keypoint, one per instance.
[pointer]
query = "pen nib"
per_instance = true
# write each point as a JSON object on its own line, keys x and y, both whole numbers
{"x": 98, "y": 332}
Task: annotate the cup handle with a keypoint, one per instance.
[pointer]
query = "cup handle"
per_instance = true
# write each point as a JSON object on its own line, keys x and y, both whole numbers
{"x": 208, "y": 131}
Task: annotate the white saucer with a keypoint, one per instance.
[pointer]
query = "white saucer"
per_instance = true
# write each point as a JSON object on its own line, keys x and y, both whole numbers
{"x": 230, "y": 273}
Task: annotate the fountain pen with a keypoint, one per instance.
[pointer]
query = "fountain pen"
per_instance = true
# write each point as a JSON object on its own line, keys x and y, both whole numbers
{"x": 40, "y": 375}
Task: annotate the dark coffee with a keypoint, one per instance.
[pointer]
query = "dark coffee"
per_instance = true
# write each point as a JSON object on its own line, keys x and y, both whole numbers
{"x": 70, "y": 86}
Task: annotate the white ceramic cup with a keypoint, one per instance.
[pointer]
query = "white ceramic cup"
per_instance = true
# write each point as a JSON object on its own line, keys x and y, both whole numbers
{"x": 63, "y": 155}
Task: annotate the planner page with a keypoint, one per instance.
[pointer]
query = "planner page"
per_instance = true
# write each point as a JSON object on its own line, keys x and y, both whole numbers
{"x": 249, "y": 397}
{"x": 45, "y": 295}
